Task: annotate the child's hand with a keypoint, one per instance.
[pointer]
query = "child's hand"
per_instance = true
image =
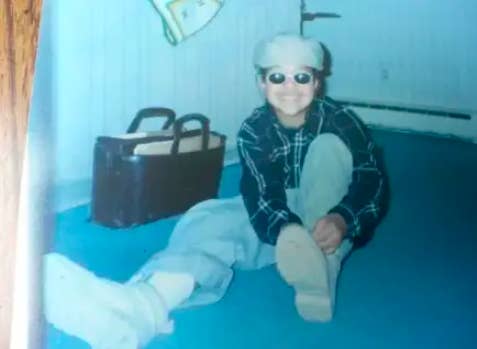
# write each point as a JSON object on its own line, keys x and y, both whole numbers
{"x": 329, "y": 232}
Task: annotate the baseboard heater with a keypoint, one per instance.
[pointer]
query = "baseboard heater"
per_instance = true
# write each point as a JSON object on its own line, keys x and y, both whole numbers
{"x": 425, "y": 111}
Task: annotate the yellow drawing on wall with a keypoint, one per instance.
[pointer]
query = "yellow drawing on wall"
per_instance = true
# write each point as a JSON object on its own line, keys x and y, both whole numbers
{"x": 182, "y": 18}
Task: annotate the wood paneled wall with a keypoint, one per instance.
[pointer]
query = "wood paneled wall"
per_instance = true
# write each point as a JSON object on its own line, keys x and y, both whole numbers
{"x": 19, "y": 20}
{"x": 110, "y": 58}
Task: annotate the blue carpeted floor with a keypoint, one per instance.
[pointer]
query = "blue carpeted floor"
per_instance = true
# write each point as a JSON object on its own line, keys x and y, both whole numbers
{"x": 413, "y": 286}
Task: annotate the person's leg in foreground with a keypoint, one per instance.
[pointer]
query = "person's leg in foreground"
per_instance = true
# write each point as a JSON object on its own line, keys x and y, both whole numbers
{"x": 302, "y": 263}
{"x": 195, "y": 268}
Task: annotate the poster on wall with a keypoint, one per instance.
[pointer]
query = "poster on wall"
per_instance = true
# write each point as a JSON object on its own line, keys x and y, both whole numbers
{"x": 182, "y": 18}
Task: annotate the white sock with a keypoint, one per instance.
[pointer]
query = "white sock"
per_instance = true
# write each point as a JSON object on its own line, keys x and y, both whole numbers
{"x": 103, "y": 313}
{"x": 174, "y": 288}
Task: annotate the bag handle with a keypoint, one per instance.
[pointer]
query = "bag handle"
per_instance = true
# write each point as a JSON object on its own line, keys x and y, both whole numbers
{"x": 178, "y": 124}
{"x": 149, "y": 113}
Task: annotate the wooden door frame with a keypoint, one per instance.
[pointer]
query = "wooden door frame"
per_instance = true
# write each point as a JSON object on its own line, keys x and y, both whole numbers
{"x": 19, "y": 26}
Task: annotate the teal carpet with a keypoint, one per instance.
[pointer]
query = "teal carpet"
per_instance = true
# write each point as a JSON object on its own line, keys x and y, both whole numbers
{"x": 413, "y": 286}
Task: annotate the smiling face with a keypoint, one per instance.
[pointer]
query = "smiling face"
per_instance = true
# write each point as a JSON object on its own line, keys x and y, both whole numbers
{"x": 290, "y": 91}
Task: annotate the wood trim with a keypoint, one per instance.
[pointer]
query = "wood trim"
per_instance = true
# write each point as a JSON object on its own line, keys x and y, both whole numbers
{"x": 19, "y": 24}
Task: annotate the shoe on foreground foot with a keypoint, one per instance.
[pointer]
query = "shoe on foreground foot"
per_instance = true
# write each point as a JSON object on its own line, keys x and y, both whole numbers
{"x": 105, "y": 314}
{"x": 303, "y": 265}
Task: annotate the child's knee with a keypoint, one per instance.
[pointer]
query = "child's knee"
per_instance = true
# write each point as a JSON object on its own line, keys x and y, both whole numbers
{"x": 330, "y": 142}
{"x": 329, "y": 149}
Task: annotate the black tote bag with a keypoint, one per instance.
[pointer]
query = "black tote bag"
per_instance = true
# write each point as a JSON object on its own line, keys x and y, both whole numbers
{"x": 142, "y": 179}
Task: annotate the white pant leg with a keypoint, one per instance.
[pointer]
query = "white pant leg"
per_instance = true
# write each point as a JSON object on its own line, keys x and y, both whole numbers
{"x": 207, "y": 241}
{"x": 325, "y": 179}
{"x": 215, "y": 235}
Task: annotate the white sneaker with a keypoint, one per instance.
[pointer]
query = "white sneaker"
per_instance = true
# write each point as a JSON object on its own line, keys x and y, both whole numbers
{"x": 105, "y": 314}
{"x": 303, "y": 265}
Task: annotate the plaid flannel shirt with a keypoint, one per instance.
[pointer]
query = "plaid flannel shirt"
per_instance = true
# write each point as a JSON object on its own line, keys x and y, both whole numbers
{"x": 272, "y": 159}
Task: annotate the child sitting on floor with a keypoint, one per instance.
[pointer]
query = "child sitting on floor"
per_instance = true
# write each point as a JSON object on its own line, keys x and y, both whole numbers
{"x": 311, "y": 190}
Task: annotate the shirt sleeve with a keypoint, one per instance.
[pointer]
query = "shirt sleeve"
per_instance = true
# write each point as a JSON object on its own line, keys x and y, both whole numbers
{"x": 363, "y": 205}
{"x": 262, "y": 188}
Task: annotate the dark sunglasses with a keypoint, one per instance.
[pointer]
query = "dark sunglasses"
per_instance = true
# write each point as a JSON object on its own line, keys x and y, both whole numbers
{"x": 300, "y": 78}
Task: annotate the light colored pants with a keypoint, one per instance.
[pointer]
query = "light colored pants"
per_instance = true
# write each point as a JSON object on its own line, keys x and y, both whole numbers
{"x": 216, "y": 235}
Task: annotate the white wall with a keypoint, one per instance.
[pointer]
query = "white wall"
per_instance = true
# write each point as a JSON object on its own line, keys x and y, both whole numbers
{"x": 417, "y": 53}
{"x": 111, "y": 59}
